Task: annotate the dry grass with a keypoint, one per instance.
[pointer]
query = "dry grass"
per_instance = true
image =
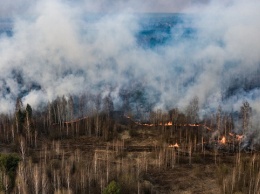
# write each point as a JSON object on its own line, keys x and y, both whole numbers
{"x": 243, "y": 177}
{"x": 139, "y": 169}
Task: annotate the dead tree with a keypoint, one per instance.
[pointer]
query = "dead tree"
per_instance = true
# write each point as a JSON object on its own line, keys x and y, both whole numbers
{"x": 245, "y": 113}
{"x": 192, "y": 110}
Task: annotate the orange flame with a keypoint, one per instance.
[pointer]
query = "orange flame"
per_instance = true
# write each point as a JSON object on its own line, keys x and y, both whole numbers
{"x": 193, "y": 125}
{"x": 174, "y": 145}
{"x": 168, "y": 124}
{"x": 70, "y": 122}
{"x": 150, "y": 125}
{"x": 160, "y": 124}
{"x": 239, "y": 137}
{"x": 223, "y": 140}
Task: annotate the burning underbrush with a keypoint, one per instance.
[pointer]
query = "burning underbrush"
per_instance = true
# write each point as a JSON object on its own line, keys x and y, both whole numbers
{"x": 151, "y": 155}
{"x": 205, "y": 137}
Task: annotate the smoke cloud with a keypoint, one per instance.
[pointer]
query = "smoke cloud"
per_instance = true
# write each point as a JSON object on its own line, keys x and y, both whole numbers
{"x": 58, "y": 48}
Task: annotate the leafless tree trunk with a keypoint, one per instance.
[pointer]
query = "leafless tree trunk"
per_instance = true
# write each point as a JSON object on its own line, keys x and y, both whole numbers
{"x": 245, "y": 112}
{"x": 68, "y": 178}
{"x": 22, "y": 148}
{"x": 36, "y": 179}
{"x": 192, "y": 111}
{"x": 44, "y": 183}
{"x": 21, "y": 179}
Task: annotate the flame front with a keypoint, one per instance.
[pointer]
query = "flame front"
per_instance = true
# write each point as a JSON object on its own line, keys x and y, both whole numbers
{"x": 223, "y": 140}
{"x": 239, "y": 137}
{"x": 174, "y": 145}
{"x": 168, "y": 124}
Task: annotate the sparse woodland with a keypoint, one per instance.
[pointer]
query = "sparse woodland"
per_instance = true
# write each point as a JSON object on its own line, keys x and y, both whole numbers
{"x": 82, "y": 145}
{"x": 111, "y": 90}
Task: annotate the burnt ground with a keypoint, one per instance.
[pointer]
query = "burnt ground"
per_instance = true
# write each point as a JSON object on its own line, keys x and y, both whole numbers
{"x": 188, "y": 177}
{"x": 195, "y": 173}
{"x": 195, "y": 179}
{"x": 198, "y": 176}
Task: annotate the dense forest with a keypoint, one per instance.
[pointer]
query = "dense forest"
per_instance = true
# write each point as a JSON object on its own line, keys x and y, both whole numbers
{"x": 81, "y": 144}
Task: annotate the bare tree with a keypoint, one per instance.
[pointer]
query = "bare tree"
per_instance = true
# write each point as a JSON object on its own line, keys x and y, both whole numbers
{"x": 22, "y": 148}
{"x": 108, "y": 105}
{"x": 36, "y": 179}
{"x": 192, "y": 110}
{"x": 97, "y": 109}
{"x": 245, "y": 112}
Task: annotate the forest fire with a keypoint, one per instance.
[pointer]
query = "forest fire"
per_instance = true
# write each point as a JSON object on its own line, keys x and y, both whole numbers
{"x": 151, "y": 125}
{"x": 171, "y": 124}
{"x": 168, "y": 124}
{"x": 174, "y": 146}
{"x": 238, "y": 137}
{"x": 70, "y": 122}
{"x": 223, "y": 140}
{"x": 231, "y": 139}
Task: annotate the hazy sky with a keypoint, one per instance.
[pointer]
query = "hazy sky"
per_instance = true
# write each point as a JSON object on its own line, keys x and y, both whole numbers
{"x": 13, "y": 7}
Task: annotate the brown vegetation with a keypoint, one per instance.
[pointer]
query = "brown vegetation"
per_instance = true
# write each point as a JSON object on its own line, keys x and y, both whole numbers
{"x": 169, "y": 153}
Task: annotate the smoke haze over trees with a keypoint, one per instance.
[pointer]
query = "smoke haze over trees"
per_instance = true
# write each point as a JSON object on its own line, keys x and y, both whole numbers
{"x": 109, "y": 96}
{"x": 57, "y": 48}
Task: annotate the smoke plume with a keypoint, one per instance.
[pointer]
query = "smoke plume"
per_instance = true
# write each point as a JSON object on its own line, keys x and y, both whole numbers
{"x": 59, "y": 48}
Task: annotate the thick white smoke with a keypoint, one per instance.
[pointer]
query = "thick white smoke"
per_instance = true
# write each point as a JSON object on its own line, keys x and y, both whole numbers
{"x": 57, "y": 49}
